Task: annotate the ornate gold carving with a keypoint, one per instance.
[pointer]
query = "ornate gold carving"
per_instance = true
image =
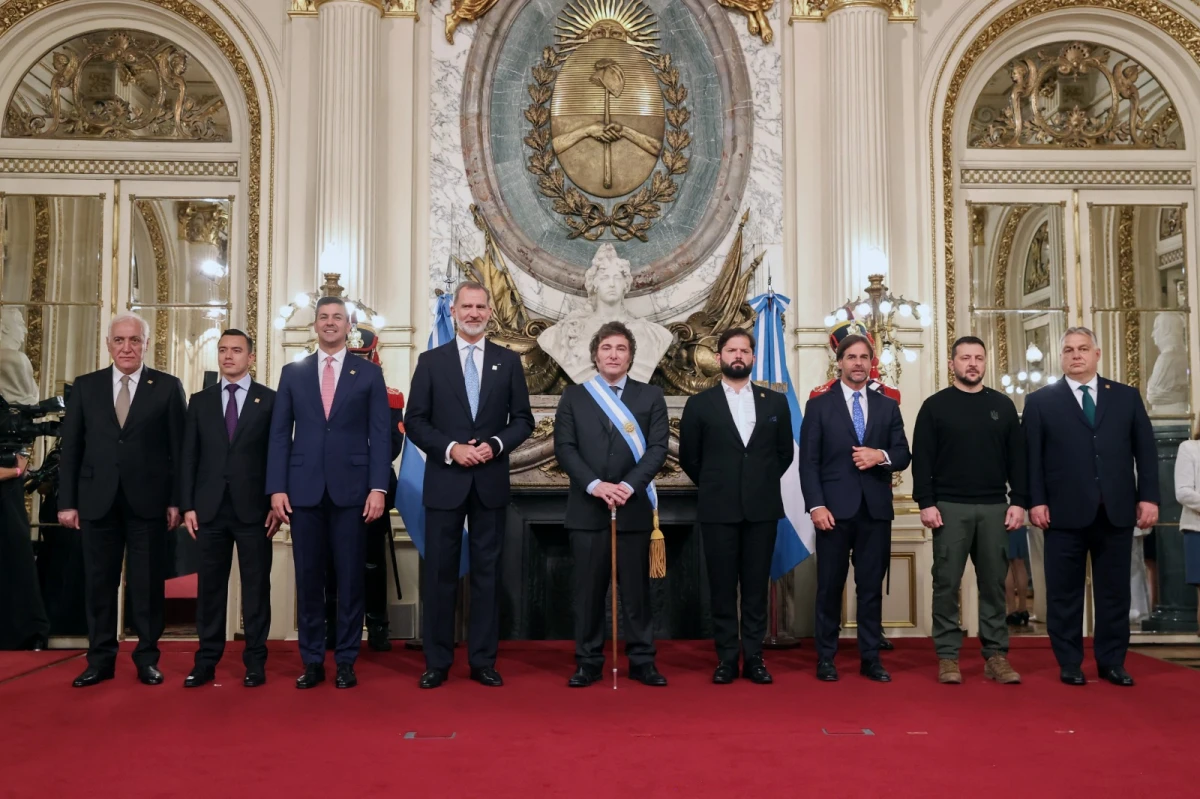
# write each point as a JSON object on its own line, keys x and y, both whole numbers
{"x": 603, "y": 88}
{"x": 1037, "y": 260}
{"x": 819, "y": 10}
{"x": 1003, "y": 259}
{"x": 978, "y": 221}
{"x": 465, "y": 11}
{"x": 35, "y": 315}
{"x": 756, "y": 16}
{"x": 401, "y": 8}
{"x": 543, "y": 429}
{"x": 161, "y": 278}
{"x": 1043, "y": 82}
{"x": 510, "y": 325}
{"x": 202, "y": 222}
{"x": 1128, "y": 296}
{"x": 1170, "y": 222}
{"x": 1158, "y": 14}
{"x": 120, "y": 65}
{"x": 690, "y": 364}
{"x": 389, "y": 8}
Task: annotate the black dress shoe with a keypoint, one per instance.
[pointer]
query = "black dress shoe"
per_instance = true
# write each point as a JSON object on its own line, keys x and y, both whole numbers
{"x": 346, "y": 678}
{"x": 314, "y": 675}
{"x": 92, "y": 676}
{"x": 433, "y": 678}
{"x": 377, "y": 638}
{"x": 1117, "y": 676}
{"x": 150, "y": 675}
{"x": 756, "y": 672}
{"x": 487, "y": 676}
{"x": 826, "y": 671}
{"x": 199, "y": 676}
{"x": 886, "y": 645}
{"x": 874, "y": 670}
{"x": 583, "y": 677}
{"x": 727, "y": 672}
{"x": 646, "y": 674}
{"x": 253, "y": 679}
{"x": 1072, "y": 675}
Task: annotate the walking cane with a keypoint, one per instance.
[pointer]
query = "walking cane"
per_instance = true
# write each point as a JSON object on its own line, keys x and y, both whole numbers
{"x": 613, "y": 510}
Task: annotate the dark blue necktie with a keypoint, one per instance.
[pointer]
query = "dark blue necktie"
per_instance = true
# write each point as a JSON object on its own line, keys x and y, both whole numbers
{"x": 231, "y": 412}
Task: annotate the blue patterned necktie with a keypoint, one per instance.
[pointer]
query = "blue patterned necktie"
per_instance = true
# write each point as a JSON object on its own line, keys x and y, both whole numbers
{"x": 860, "y": 421}
{"x": 471, "y": 373}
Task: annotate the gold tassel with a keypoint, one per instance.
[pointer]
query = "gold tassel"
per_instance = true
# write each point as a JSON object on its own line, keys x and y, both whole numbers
{"x": 658, "y": 552}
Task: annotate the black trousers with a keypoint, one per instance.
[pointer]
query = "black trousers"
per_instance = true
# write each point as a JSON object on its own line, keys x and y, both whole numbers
{"x": 866, "y": 542}
{"x": 22, "y": 613}
{"x": 739, "y": 553}
{"x": 1066, "y": 557}
{"x": 321, "y": 533}
{"x": 216, "y": 540}
{"x": 443, "y": 551}
{"x": 379, "y": 535}
{"x": 121, "y": 535}
{"x": 592, "y": 551}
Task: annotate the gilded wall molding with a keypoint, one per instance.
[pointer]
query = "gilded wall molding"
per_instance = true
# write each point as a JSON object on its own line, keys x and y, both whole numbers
{"x": 1153, "y": 12}
{"x": 1131, "y": 321}
{"x": 161, "y": 280}
{"x": 124, "y": 168}
{"x": 1003, "y": 259}
{"x": 756, "y": 12}
{"x": 819, "y": 10}
{"x": 35, "y": 317}
{"x": 388, "y": 8}
{"x": 1075, "y": 177}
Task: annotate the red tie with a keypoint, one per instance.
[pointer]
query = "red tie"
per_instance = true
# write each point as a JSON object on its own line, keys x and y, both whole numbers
{"x": 327, "y": 386}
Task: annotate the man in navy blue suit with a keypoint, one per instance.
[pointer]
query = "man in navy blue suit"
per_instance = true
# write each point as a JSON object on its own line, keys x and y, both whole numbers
{"x": 851, "y": 442}
{"x": 1084, "y": 436}
{"x": 328, "y": 466}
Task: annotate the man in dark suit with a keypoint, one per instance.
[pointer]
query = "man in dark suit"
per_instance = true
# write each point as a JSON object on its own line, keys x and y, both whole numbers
{"x": 224, "y": 500}
{"x": 121, "y": 441}
{"x": 1084, "y": 437}
{"x": 851, "y": 442}
{"x": 605, "y": 474}
{"x": 330, "y": 480}
{"x": 735, "y": 442}
{"x": 468, "y": 409}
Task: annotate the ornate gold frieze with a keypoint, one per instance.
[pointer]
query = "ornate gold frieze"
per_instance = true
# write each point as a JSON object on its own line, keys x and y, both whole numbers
{"x": 202, "y": 222}
{"x": 1070, "y": 177}
{"x": 1170, "y": 222}
{"x": 35, "y": 315}
{"x": 756, "y": 16}
{"x": 606, "y": 88}
{"x": 389, "y": 8}
{"x": 1131, "y": 321}
{"x": 978, "y": 221}
{"x": 465, "y": 11}
{"x": 1158, "y": 14}
{"x": 94, "y": 166}
{"x": 158, "y": 246}
{"x": 1042, "y": 84}
{"x": 819, "y": 10}
{"x": 119, "y": 84}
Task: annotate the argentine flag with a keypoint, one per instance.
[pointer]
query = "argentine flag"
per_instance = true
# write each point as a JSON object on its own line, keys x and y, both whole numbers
{"x": 409, "y": 484}
{"x": 795, "y": 538}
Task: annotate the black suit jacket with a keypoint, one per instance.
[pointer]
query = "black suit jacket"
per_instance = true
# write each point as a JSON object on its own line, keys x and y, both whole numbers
{"x": 828, "y": 476}
{"x": 142, "y": 458}
{"x": 439, "y": 412}
{"x": 589, "y": 448}
{"x": 211, "y": 461}
{"x": 736, "y": 481}
{"x": 1073, "y": 466}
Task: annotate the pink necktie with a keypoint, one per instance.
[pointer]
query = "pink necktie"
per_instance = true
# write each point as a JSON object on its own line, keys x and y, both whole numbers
{"x": 327, "y": 387}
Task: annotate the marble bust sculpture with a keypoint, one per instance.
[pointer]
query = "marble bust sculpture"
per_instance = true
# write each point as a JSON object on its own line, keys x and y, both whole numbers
{"x": 607, "y": 282}
{"x": 17, "y": 385}
{"x": 1167, "y": 389}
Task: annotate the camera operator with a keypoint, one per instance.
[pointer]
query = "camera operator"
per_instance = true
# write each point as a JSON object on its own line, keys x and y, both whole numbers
{"x": 23, "y": 620}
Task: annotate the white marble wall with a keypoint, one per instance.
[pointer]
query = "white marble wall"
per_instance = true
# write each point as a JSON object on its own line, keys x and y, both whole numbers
{"x": 451, "y": 226}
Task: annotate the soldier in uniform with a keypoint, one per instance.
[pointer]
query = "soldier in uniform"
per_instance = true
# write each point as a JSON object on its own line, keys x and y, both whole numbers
{"x": 364, "y": 343}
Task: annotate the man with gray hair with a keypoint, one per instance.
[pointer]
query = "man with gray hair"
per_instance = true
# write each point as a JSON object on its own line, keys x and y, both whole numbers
{"x": 1085, "y": 436}
{"x": 121, "y": 445}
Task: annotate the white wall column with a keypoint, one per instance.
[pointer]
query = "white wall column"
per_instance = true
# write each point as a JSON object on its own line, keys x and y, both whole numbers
{"x": 346, "y": 141}
{"x": 858, "y": 178}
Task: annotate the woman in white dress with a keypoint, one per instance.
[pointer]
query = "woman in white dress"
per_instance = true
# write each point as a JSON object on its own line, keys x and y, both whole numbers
{"x": 1187, "y": 492}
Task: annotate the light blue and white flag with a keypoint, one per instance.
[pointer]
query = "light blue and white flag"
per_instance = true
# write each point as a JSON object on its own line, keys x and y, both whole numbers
{"x": 795, "y": 539}
{"x": 410, "y": 484}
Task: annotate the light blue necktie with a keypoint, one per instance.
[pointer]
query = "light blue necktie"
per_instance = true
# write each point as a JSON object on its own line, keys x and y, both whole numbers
{"x": 471, "y": 373}
{"x": 860, "y": 421}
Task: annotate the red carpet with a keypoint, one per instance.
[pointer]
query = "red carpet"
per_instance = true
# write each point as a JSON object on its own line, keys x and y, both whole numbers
{"x": 537, "y": 738}
{"x": 15, "y": 664}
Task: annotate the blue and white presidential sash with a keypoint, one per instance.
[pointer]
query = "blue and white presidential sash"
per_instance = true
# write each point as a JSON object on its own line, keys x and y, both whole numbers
{"x": 622, "y": 418}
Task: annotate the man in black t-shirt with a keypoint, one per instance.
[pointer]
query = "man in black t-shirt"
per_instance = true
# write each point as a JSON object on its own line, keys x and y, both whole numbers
{"x": 969, "y": 478}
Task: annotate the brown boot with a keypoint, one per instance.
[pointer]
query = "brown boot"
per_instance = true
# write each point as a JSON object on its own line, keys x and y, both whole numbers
{"x": 948, "y": 673}
{"x": 999, "y": 669}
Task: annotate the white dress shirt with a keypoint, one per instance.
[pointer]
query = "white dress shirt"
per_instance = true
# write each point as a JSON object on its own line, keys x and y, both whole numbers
{"x": 848, "y": 395}
{"x": 133, "y": 382}
{"x": 240, "y": 395}
{"x": 620, "y": 386}
{"x": 339, "y": 358}
{"x": 463, "y": 347}
{"x": 1092, "y": 385}
{"x": 741, "y": 407}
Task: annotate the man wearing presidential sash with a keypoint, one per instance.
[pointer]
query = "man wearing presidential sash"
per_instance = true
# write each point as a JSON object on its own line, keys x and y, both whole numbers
{"x": 610, "y": 436}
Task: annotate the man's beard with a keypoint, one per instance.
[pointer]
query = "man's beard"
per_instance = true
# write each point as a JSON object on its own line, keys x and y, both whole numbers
{"x": 735, "y": 372}
{"x": 473, "y": 329}
{"x": 967, "y": 380}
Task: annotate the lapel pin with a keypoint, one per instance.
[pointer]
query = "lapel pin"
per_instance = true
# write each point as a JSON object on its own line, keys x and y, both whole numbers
{"x": 149, "y": 382}
{"x": 495, "y": 366}
{"x": 256, "y": 400}
{"x": 1108, "y": 385}
{"x": 351, "y": 371}
{"x": 762, "y": 395}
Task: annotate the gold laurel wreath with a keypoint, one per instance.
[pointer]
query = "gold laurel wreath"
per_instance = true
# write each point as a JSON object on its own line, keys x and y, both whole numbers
{"x": 635, "y": 216}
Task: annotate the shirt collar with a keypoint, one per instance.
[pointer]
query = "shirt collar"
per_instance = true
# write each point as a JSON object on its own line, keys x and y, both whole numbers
{"x": 733, "y": 392}
{"x": 1092, "y": 384}
{"x": 338, "y": 357}
{"x": 463, "y": 343}
{"x": 243, "y": 384}
{"x": 848, "y": 393}
{"x": 620, "y": 383}
{"x": 133, "y": 378}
